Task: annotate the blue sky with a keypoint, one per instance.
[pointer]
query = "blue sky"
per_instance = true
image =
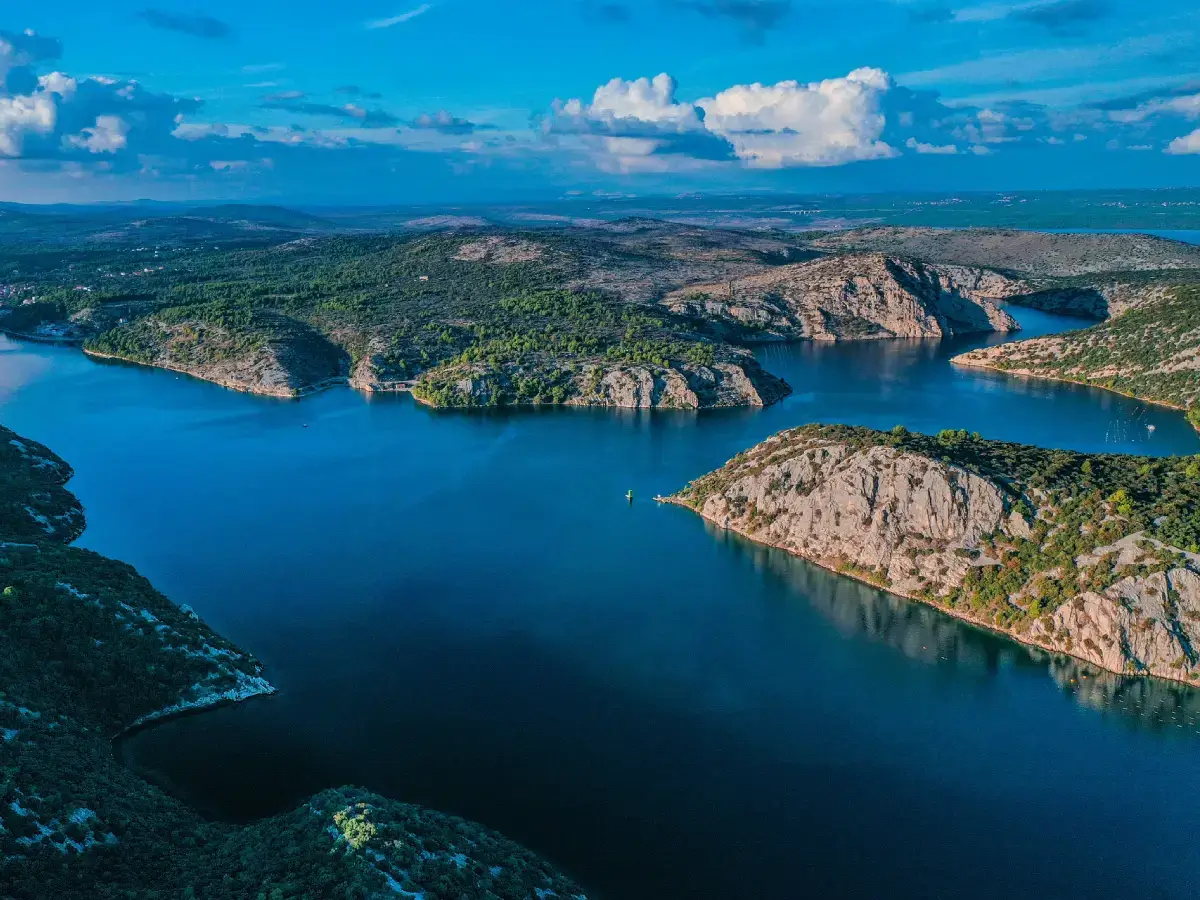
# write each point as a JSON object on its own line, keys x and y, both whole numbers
{"x": 453, "y": 100}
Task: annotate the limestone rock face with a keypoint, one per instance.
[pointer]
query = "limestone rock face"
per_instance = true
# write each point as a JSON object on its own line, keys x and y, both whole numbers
{"x": 917, "y": 525}
{"x": 736, "y": 381}
{"x": 896, "y": 516}
{"x": 685, "y": 387}
{"x": 856, "y": 297}
{"x": 1151, "y": 622}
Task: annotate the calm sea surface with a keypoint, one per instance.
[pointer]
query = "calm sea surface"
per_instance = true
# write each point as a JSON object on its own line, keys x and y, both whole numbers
{"x": 463, "y": 611}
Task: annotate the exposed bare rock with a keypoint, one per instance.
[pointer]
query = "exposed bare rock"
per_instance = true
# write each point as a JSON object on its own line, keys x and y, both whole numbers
{"x": 685, "y": 387}
{"x": 857, "y": 297}
{"x": 500, "y": 250}
{"x": 893, "y": 512}
{"x": 735, "y": 380}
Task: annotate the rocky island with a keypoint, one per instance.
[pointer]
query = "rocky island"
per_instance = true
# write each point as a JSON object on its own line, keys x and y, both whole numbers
{"x": 1095, "y": 556}
{"x": 88, "y": 650}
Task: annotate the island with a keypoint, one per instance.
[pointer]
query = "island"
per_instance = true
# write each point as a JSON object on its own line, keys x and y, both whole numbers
{"x": 90, "y": 650}
{"x": 1094, "y": 556}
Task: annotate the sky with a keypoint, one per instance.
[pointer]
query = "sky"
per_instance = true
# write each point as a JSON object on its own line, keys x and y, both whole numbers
{"x": 403, "y": 101}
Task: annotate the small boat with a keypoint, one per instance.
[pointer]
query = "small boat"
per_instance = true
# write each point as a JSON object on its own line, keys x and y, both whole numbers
{"x": 629, "y": 496}
{"x": 1151, "y": 428}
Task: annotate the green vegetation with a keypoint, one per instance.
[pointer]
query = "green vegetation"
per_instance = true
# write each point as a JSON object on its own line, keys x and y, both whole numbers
{"x": 1151, "y": 351}
{"x": 436, "y": 308}
{"x": 88, "y": 648}
{"x": 549, "y": 345}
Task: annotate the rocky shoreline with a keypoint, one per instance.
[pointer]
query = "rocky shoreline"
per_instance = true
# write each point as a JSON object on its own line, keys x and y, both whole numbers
{"x": 89, "y": 649}
{"x": 976, "y": 359}
{"x": 1050, "y": 567}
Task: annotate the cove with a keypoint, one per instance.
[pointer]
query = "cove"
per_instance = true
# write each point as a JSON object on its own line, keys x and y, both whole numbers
{"x": 463, "y": 611}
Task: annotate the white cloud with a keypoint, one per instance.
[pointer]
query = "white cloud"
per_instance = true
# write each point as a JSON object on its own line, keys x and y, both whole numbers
{"x": 21, "y": 116}
{"x": 941, "y": 149}
{"x": 108, "y": 135}
{"x": 824, "y": 123}
{"x": 401, "y": 18}
{"x": 644, "y": 99}
{"x": 1183, "y": 146}
{"x": 1187, "y": 105}
{"x": 640, "y": 125}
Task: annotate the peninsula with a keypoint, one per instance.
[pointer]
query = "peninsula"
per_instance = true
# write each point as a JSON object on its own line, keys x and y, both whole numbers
{"x": 1095, "y": 556}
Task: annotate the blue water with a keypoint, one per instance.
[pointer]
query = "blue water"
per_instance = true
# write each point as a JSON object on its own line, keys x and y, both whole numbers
{"x": 463, "y": 611}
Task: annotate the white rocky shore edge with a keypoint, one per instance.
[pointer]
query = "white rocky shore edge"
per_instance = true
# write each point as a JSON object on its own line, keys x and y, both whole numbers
{"x": 246, "y": 686}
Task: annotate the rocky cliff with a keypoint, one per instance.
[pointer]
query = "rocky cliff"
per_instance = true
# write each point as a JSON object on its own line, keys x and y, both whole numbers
{"x": 855, "y": 297}
{"x": 734, "y": 379}
{"x": 1067, "y": 552}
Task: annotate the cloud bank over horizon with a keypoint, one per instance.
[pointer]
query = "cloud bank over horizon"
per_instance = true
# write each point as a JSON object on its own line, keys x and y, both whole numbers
{"x": 65, "y": 134}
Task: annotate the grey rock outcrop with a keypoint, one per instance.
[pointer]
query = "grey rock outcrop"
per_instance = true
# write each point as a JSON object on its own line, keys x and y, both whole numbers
{"x": 856, "y": 297}
{"x": 917, "y": 525}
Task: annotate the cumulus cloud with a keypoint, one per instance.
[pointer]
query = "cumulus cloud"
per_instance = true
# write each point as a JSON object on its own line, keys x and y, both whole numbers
{"x": 823, "y": 123}
{"x": 1188, "y": 144}
{"x": 56, "y": 118}
{"x": 783, "y": 125}
{"x": 108, "y": 135}
{"x": 195, "y": 25}
{"x": 634, "y": 124}
{"x": 644, "y": 124}
{"x": 936, "y": 149}
{"x": 20, "y": 54}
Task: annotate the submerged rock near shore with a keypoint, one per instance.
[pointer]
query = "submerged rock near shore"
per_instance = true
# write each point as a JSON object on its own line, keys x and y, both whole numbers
{"x": 90, "y": 650}
{"x": 1094, "y": 556}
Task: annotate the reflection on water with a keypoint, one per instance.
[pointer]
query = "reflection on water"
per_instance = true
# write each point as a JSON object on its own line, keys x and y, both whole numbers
{"x": 929, "y": 636}
{"x": 463, "y": 611}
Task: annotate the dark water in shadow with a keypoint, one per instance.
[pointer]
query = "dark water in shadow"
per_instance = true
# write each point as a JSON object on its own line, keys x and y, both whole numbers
{"x": 463, "y": 611}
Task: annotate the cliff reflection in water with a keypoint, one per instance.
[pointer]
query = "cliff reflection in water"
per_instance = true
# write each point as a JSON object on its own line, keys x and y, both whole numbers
{"x": 927, "y": 635}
